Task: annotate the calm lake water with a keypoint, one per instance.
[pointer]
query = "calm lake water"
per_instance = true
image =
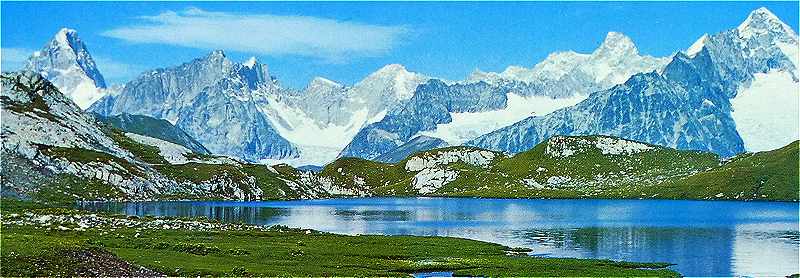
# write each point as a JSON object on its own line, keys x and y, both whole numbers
{"x": 704, "y": 238}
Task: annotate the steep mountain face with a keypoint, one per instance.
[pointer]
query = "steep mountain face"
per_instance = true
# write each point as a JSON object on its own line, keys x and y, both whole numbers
{"x": 155, "y": 128}
{"x": 763, "y": 53}
{"x": 66, "y": 62}
{"x": 687, "y": 106}
{"x": 212, "y": 99}
{"x": 487, "y": 101}
{"x": 431, "y": 104}
{"x": 322, "y": 119}
{"x": 53, "y": 151}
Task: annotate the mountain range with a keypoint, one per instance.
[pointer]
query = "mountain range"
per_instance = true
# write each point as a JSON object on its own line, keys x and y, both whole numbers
{"x": 727, "y": 93}
{"x": 55, "y": 152}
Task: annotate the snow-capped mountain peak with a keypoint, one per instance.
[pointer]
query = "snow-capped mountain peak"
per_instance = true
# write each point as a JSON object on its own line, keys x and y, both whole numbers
{"x": 616, "y": 45}
{"x": 697, "y": 45}
{"x": 66, "y": 62}
{"x": 478, "y": 75}
{"x": 391, "y": 69}
{"x": 250, "y": 63}
{"x": 616, "y": 59}
{"x": 320, "y": 83}
{"x": 763, "y": 22}
{"x": 393, "y": 77}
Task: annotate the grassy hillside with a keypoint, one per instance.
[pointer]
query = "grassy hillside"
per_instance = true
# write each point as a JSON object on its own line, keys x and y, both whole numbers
{"x": 582, "y": 167}
{"x": 769, "y": 175}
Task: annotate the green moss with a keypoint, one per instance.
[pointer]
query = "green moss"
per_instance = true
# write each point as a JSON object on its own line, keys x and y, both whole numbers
{"x": 68, "y": 189}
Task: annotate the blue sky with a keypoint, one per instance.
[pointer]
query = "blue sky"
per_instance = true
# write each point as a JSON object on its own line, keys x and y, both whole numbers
{"x": 346, "y": 41}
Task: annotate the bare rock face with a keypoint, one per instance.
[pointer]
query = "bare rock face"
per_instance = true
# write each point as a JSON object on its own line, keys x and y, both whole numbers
{"x": 213, "y": 99}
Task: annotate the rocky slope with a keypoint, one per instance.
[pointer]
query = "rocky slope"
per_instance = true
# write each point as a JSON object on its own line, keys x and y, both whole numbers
{"x": 417, "y": 144}
{"x": 574, "y": 167}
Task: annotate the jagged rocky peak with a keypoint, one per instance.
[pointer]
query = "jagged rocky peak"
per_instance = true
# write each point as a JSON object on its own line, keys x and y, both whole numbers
{"x": 66, "y": 62}
{"x": 64, "y": 50}
{"x": 219, "y": 54}
{"x": 217, "y": 57}
{"x": 762, "y": 22}
{"x": 254, "y": 72}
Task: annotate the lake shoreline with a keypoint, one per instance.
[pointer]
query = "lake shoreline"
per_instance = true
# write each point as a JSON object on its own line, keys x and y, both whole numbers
{"x": 702, "y": 237}
{"x": 46, "y": 241}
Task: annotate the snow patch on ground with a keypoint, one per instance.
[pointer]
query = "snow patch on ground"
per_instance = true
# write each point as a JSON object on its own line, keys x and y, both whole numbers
{"x": 468, "y": 126}
{"x": 790, "y": 51}
{"x": 767, "y": 114}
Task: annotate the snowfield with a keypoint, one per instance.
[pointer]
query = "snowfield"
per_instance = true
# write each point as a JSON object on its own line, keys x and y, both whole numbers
{"x": 767, "y": 114}
{"x": 468, "y": 126}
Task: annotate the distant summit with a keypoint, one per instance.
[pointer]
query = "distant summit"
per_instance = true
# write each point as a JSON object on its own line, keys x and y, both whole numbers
{"x": 66, "y": 62}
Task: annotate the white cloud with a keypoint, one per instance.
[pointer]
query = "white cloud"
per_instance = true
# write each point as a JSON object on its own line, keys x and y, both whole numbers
{"x": 263, "y": 34}
{"x": 12, "y": 58}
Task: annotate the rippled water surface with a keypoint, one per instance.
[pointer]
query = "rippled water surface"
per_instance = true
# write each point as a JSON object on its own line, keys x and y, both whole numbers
{"x": 703, "y": 238}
